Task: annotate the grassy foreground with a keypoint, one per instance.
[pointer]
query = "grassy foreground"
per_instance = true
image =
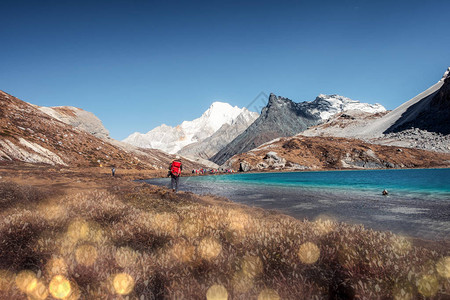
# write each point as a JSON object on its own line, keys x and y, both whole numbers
{"x": 126, "y": 240}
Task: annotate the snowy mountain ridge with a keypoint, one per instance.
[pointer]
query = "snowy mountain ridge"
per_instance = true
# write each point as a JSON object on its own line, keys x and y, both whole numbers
{"x": 172, "y": 139}
{"x": 327, "y": 106}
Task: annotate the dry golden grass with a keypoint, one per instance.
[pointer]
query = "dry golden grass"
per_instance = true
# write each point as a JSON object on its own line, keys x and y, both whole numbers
{"x": 138, "y": 242}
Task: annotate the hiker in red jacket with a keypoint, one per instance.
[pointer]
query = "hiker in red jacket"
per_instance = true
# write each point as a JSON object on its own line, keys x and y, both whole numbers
{"x": 175, "y": 169}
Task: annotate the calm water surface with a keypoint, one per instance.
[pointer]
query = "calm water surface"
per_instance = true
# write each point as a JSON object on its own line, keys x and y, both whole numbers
{"x": 418, "y": 203}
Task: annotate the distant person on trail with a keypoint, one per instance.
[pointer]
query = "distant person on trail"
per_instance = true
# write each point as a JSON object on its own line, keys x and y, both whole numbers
{"x": 113, "y": 171}
{"x": 175, "y": 169}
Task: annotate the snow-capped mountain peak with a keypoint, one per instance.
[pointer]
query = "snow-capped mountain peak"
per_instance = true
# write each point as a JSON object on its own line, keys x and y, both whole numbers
{"x": 217, "y": 114}
{"x": 172, "y": 139}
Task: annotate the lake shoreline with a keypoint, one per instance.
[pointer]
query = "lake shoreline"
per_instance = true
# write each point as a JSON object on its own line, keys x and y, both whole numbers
{"x": 422, "y": 214}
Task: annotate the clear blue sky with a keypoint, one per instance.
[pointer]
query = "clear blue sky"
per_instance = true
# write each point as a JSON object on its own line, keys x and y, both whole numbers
{"x": 137, "y": 64}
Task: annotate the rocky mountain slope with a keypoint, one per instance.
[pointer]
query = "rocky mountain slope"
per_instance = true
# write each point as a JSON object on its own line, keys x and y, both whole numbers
{"x": 399, "y": 118}
{"x": 172, "y": 139}
{"x": 77, "y": 118}
{"x": 29, "y": 135}
{"x": 421, "y": 122}
{"x": 432, "y": 113}
{"x": 211, "y": 145}
{"x": 282, "y": 117}
{"x": 318, "y": 153}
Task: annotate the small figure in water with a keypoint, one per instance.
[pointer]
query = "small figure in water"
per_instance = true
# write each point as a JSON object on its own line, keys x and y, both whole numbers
{"x": 113, "y": 171}
{"x": 385, "y": 192}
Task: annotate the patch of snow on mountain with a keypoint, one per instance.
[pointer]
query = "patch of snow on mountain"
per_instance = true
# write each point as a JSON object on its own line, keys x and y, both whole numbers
{"x": 34, "y": 154}
{"x": 327, "y": 106}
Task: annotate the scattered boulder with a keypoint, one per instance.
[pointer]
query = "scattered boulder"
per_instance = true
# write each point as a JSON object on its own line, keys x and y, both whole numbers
{"x": 262, "y": 166}
{"x": 244, "y": 166}
{"x": 273, "y": 160}
{"x": 294, "y": 166}
{"x": 346, "y": 116}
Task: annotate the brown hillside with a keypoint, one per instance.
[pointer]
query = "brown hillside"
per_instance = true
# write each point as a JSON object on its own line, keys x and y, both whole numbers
{"x": 29, "y": 135}
{"x": 317, "y": 153}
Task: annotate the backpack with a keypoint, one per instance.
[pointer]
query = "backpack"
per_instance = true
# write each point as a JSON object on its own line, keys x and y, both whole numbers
{"x": 176, "y": 168}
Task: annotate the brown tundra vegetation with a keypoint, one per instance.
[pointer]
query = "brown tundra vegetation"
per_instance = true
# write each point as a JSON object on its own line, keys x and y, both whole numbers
{"x": 128, "y": 240}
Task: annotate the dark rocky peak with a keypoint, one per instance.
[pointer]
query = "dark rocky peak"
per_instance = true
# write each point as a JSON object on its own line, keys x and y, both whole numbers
{"x": 278, "y": 105}
{"x": 275, "y": 100}
{"x": 430, "y": 113}
{"x": 446, "y": 74}
{"x": 442, "y": 99}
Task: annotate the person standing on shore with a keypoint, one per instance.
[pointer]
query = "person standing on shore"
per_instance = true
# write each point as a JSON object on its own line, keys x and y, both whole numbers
{"x": 175, "y": 169}
{"x": 113, "y": 171}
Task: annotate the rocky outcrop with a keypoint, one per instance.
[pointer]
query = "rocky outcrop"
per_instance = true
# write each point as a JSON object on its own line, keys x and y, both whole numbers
{"x": 244, "y": 166}
{"x": 324, "y": 153}
{"x": 78, "y": 118}
{"x": 271, "y": 159}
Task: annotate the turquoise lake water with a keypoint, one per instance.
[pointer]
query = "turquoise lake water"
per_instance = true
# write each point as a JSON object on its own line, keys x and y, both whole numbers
{"x": 432, "y": 182}
{"x": 418, "y": 203}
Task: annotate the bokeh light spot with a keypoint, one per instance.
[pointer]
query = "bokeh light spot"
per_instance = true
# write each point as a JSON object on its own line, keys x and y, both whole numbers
{"x": 183, "y": 252}
{"x": 60, "y": 287}
{"x": 401, "y": 245}
{"x": 78, "y": 230}
{"x": 324, "y": 224}
{"x": 428, "y": 285}
{"x": 443, "y": 267}
{"x": 209, "y": 248}
{"x": 268, "y": 294}
{"x": 251, "y": 266}
{"x": 217, "y": 292}
{"x": 165, "y": 223}
{"x": 123, "y": 283}
{"x": 52, "y": 212}
{"x": 37, "y": 290}
{"x": 192, "y": 227}
{"x": 238, "y": 221}
{"x": 86, "y": 255}
{"x": 25, "y": 280}
{"x": 309, "y": 253}
{"x": 56, "y": 266}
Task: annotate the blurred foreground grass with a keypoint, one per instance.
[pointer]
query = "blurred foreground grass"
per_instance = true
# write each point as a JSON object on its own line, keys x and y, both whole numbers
{"x": 133, "y": 241}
